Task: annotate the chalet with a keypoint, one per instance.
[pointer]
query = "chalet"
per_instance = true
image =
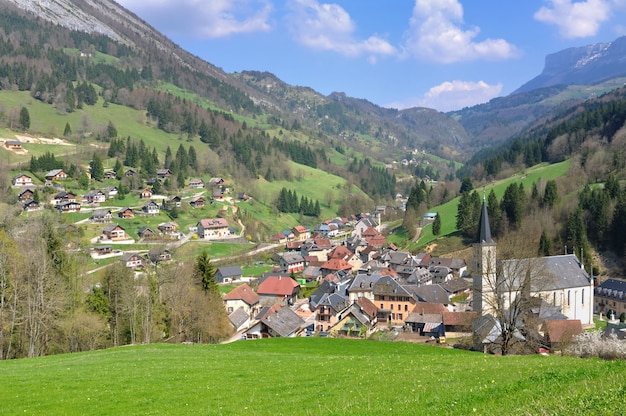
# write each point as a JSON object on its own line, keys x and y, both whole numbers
{"x": 130, "y": 172}
{"x": 301, "y": 233}
{"x": 159, "y": 255}
{"x": 176, "y": 200}
{"x": 291, "y": 263}
{"x": 145, "y": 194}
{"x": 13, "y": 145}
{"x": 242, "y": 297}
{"x": 95, "y": 197}
{"x": 126, "y": 213}
{"x": 55, "y": 175}
{"x": 102, "y": 250}
{"x": 26, "y": 194}
{"x": 217, "y": 193}
{"x": 32, "y": 205}
{"x": 111, "y": 192}
{"x": 163, "y": 174}
{"x": 242, "y": 196}
{"x": 197, "y": 202}
{"x": 114, "y": 232}
{"x": 69, "y": 206}
{"x": 101, "y": 216}
{"x": 278, "y": 290}
{"x": 279, "y": 238}
{"x": 146, "y": 232}
{"x": 110, "y": 175}
{"x": 213, "y": 182}
{"x": 132, "y": 260}
{"x": 213, "y": 228}
{"x": 22, "y": 180}
{"x": 62, "y": 197}
{"x": 169, "y": 228}
{"x": 228, "y": 273}
{"x": 196, "y": 183}
{"x": 276, "y": 322}
{"x": 151, "y": 208}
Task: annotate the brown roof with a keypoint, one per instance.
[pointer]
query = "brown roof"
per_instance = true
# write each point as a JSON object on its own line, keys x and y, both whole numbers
{"x": 243, "y": 292}
{"x": 561, "y": 329}
{"x": 336, "y": 264}
{"x": 340, "y": 252}
{"x": 459, "y": 318}
{"x": 370, "y": 232}
{"x": 429, "y": 308}
{"x": 368, "y": 307}
{"x": 323, "y": 242}
{"x": 278, "y": 286}
{"x": 377, "y": 241}
{"x": 300, "y": 229}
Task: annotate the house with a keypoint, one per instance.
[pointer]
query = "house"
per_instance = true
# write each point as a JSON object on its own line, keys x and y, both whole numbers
{"x": 458, "y": 322}
{"x": 228, "y": 273}
{"x": 145, "y": 194}
{"x": 163, "y": 174}
{"x": 62, "y": 197}
{"x": 110, "y": 175}
{"x": 279, "y": 238}
{"x": 239, "y": 319}
{"x": 22, "y": 180}
{"x": 169, "y": 229}
{"x": 26, "y": 195}
{"x": 311, "y": 274}
{"x": 213, "y": 182}
{"x": 362, "y": 286}
{"x": 426, "y": 324}
{"x": 242, "y": 297}
{"x": 362, "y": 225}
{"x": 176, "y": 200}
{"x": 95, "y": 197}
{"x": 335, "y": 265}
{"x": 217, "y": 193}
{"x": 352, "y": 322}
{"x": 132, "y": 260}
{"x": 151, "y": 208}
{"x": 114, "y": 232}
{"x": 291, "y": 263}
{"x": 559, "y": 333}
{"x": 126, "y": 213}
{"x": 277, "y": 322}
{"x": 130, "y": 172}
{"x": 301, "y": 233}
{"x": 32, "y": 205}
{"x": 196, "y": 183}
{"x": 242, "y": 196}
{"x": 13, "y": 145}
{"x": 213, "y": 228}
{"x": 111, "y": 192}
{"x": 146, "y": 232}
{"x": 56, "y": 174}
{"x": 393, "y": 301}
{"x": 159, "y": 255}
{"x": 102, "y": 250}
{"x": 69, "y": 206}
{"x": 610, "y": 296}
{"x": 101, "y": 216}
{"x": 328, "y": 301}
{"x": 278, "y": 290}
{"x": 197, "y": 202}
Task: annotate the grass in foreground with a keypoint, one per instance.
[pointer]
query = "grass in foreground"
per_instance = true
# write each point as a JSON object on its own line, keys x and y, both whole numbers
{"x": 309, "y": 376}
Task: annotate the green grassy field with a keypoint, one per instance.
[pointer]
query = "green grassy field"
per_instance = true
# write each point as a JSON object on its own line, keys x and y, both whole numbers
{"x": 309, "y": 376}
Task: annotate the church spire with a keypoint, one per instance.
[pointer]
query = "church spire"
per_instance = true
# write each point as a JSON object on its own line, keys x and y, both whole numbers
{"x": 484, "y": 230}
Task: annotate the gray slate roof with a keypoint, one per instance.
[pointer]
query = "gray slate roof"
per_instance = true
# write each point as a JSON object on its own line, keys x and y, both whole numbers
{"x": 554, "y": 272}
{"x": 284, "y": 322}
{"x": 238, "y": 317}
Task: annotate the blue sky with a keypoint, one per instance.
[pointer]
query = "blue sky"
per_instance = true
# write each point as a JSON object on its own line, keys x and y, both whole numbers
{"x": 442, "y": 54}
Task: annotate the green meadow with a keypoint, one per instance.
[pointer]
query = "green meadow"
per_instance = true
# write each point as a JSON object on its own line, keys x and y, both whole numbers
{"x": 309, "y": 376}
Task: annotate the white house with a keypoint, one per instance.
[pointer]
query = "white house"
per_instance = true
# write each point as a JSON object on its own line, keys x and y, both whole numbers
{"x": 213, "y": 228}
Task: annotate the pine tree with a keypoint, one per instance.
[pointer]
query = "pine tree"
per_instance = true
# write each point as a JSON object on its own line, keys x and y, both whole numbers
{"x": 24, "y": 118}
{"x": 205, "y": 271}
{"x": 437, "y": 225}
{"x": 68, "y": 130}
{"x": 97, "y": 169}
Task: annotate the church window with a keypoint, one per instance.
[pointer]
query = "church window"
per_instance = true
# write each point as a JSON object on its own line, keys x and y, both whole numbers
{"x": 568, "y": 293}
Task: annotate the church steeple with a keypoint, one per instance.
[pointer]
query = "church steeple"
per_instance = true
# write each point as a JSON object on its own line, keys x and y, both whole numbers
{"x": 484, "y": 230}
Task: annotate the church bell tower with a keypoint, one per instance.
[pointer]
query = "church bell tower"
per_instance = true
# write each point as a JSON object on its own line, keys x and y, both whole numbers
{"x": 485, "y": 267}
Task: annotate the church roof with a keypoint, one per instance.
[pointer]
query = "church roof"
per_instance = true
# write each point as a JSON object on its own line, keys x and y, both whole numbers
{"x": 484, "y": 230}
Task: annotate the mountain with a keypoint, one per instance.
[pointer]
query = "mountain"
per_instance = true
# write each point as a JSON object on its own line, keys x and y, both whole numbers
{"x": 585, "y": 65}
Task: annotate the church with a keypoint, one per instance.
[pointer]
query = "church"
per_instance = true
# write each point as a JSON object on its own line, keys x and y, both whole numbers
{"x": 558, "y": 286}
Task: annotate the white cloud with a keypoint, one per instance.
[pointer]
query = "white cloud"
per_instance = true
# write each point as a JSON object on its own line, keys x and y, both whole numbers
{"x": 452, "y": 95}
{"x": 325, "y": 26}
{"x": 576, "y": 19}
{"x": 204, "y": 19}
{"x": 436, "y": 35}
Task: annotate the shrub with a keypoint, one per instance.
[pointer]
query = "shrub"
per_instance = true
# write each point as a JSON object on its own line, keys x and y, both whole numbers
{"x": 595, "y": 345}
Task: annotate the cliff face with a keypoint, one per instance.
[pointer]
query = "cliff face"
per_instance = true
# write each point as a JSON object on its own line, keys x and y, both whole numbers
{"x": 586, "y": 65}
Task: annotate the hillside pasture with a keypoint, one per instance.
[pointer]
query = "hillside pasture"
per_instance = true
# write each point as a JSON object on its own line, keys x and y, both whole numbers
{"x": 309, "y": 376}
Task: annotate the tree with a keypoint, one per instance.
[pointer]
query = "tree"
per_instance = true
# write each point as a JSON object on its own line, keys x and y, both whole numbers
{"x": 437, "y": 225}
{"x": 466, "y": 185}
{"x": 68, "y": 130}
{"x": 204, "y": 272}
{"x": 97, "y": 168}
{"x": 550, "y": 195}
{"x": 111, "y": 130}
{"x": 545, "y": 246}
{"x": 24, "y": 118}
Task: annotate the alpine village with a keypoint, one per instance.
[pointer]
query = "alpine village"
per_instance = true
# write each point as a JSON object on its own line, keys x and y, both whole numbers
{"x": 153, "y": 201}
